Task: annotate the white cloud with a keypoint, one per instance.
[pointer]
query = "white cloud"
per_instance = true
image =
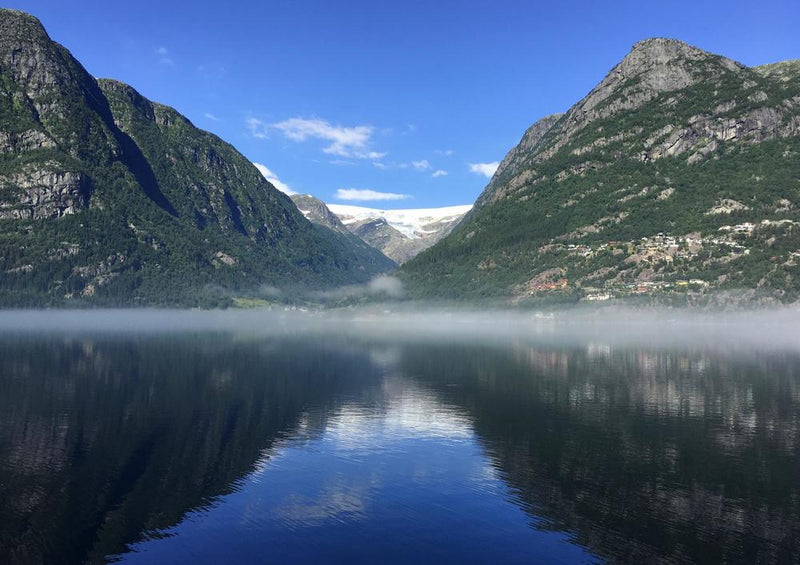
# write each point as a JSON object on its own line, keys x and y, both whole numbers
{"x": 444, "y": 152}
{"x": 273, "y": 179}
{"x": 485, "y": 169}
{"x": 421, "y": 165}
{"x": 211, "y": 117}
{"x": 163, "y": 55}
{"x": 379, "y": 165}
{"x": 350, "y": 142}
{"x": 341, "y": 162}
{"x": 439, "y": 173}
{"x": 365, "y": 194}
{"x": 258, "y": 129}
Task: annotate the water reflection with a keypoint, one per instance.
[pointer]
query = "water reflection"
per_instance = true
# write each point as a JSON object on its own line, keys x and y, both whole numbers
{"x": 644, "y": 455}
{"x": 218, "y": 448}
{"x": 102, "y": 440}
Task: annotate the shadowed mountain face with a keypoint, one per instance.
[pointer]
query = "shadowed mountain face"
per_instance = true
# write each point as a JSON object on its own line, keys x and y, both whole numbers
{"x": 676, "y": 175}
{"x": 167, "y": 442}
{"x": 110, "y": 198}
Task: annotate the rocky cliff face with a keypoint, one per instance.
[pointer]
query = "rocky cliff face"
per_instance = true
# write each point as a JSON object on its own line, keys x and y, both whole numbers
{"x": 515, "y": 160}
{"x": 109, "y": 197}
{"x": 630, "y": 190}
{"x": 317, "y": 212}
{"x": 43, "y": 191}
{"x": 736, "y": 105}
{"x": 51, "y": 112}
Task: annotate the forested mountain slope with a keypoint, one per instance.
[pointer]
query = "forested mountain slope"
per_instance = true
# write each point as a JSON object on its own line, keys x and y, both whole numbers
{"x": 678, "y": 174}
{"x": 108, "y": 198}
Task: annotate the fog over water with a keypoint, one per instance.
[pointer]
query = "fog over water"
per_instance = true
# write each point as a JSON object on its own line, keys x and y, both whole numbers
{"x": 774, "y": 329}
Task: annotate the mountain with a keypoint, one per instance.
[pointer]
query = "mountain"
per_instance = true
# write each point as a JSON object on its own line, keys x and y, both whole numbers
{"x": 678, "y": 175}
{"x": 400, "y": 234}
{"x": 317, "y": 212}
{"x": 109, "y": 198}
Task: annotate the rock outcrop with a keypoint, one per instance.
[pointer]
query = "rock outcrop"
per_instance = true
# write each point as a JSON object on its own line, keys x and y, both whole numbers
{"x": 317, "y": 212}
{"x": 42, "y": 191}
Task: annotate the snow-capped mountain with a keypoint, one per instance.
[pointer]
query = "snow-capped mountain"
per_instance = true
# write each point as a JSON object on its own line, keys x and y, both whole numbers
{"x": 413, "y": 223}
{"x": 400, "y": 234}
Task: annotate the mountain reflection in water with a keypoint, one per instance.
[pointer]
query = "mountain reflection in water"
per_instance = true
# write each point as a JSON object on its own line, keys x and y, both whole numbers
{"x": 214, "y": 447}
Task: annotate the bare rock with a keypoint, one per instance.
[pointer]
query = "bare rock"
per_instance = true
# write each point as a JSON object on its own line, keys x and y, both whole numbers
{"x": 35, "y": 193}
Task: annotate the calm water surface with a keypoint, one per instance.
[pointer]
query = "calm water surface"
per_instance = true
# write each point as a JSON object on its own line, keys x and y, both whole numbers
{"x": 221, "y": 448}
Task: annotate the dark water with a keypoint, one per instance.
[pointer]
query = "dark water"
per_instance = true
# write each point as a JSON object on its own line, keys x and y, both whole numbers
{"x": 217, "y": 448}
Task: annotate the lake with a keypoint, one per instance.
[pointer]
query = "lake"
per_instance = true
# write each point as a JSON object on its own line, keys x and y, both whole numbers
{"x": 198, "y": 445}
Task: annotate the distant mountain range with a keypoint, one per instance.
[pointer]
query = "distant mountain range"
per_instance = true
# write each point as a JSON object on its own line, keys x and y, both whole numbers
{"x": 109, "y": 198}
{"x": 398, "y": 234}
{"x": 678, "y": 176}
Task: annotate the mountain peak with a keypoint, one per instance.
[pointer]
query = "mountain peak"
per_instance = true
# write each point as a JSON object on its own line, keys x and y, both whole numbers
{"x": 145, "y": 106}
{"x": 676, "y": 148}
{"x": 18, "y": 17}
{"x": 668, "y": 64}
{"x": 655, "y": 47}
{"x": 652, "y": 67}
{"x": 17, "y": 26}
{"x": 662, "y": 64}
{"x": 782, "y": 71}
{"x": 317, "y": 212}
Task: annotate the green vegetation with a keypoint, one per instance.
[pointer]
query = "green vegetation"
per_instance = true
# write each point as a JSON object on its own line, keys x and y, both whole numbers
{"x": 590, "y": 193}
{"x": 109, "y": 199}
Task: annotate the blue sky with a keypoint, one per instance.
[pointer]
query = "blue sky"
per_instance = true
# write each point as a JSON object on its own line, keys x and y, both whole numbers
{"x": 412, "y": 99}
